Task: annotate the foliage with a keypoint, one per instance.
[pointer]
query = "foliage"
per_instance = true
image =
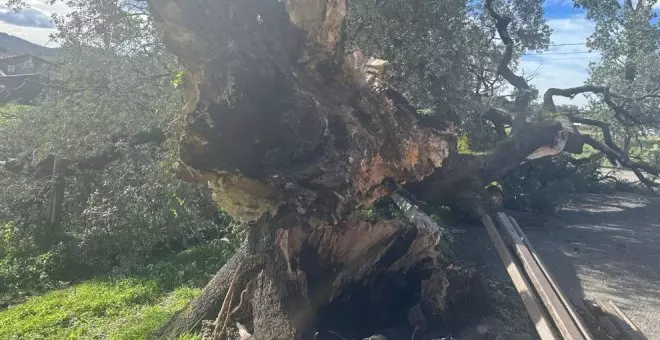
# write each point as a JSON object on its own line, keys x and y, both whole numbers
{"x": 112, "y": 81}
{"x": 539, "y": 185}
{"x": 128, "y": 306}
{"x": 443, "y": 54}
{"x": 115, "y": 217}
{"x": 627, "y": 36}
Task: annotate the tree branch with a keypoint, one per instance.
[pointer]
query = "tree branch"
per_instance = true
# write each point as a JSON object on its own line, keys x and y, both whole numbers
{"x": 614, "y": 152}
{"x": 515, "y": 150}
{"x": 548, "y": 101}
{"x": 525, "y": 97}
{"x": 500, "y": 120}
{"x": 96, "y": 162}
{"x": 605, "y": 128}
{"x": 619, "y": 112}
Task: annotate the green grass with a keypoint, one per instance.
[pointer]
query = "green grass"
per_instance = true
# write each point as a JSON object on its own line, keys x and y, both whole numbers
{"x": 123, "y": 309}
{"x": 127, "y": 306}
{"x": 7, "y": 111}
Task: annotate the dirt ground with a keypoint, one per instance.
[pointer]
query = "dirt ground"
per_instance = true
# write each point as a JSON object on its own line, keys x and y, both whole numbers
{"x": 605, "y": 246}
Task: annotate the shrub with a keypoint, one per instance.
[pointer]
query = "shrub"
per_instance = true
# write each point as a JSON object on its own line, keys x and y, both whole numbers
{"x": 538, "y": 185}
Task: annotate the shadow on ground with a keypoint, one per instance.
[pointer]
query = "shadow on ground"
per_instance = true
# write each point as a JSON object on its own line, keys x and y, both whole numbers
{"x": 597, "y": 246}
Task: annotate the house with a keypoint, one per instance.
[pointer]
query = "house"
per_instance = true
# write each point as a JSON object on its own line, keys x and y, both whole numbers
{"x": 21, "y": 77}
{"x": 15, "y": 64}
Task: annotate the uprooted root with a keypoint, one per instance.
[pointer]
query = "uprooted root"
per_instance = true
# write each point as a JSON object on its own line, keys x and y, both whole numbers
{"x": 223, "y": 316}
{"x": 230, "y": 309}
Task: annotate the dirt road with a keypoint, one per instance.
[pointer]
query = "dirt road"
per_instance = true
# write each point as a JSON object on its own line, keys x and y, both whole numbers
{"x": 605, "y": 246}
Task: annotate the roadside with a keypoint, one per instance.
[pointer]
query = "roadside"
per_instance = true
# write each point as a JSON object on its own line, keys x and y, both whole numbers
{"x": 596, "y": 246}
{"x": 622, "y": 175}
{"x": 606, "y": 246}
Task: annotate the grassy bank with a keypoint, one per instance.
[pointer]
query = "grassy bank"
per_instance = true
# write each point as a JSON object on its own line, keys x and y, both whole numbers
{"x": 119, "y": 306}
{"x": 121, "y": 309}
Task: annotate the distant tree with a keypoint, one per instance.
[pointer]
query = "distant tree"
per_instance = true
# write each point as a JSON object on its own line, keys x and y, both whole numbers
{"x": 628, "y": 39}
{"x": 110, "y": 108}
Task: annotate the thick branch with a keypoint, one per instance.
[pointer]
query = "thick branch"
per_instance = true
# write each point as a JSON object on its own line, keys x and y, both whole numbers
{"x": 96, "y": 162}
{"x": 548, "y": 101}
{"x": 605, "y": 128}
{"x": 614, "y": 153}
{"x": 525, "y": 97}
{"x": 500, "y": 120}
{"x": 620, "y": 113}
{"x": 515, "y": 150}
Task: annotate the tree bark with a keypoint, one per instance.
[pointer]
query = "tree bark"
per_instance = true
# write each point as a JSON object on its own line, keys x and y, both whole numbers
{"x": 293, "y": 135}
{"x": 207, "y": 305}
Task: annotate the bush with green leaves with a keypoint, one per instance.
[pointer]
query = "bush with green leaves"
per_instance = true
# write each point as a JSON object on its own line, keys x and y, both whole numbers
{"x": 115, "y": 216}
{"x": 539, "y": 185}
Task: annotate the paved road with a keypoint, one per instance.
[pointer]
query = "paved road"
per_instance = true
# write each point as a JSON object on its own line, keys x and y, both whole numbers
{"x": 605, "y": 246}
{"x": 622, "y": 174}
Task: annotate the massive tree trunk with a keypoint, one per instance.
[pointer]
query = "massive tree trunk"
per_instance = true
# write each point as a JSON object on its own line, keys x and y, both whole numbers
{"x": 294, "y": 136}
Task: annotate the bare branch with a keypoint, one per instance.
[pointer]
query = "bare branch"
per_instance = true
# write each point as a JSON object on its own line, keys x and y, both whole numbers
{"x": 96, "y": 162}
{"x": 605, "y": 128}
{"x": 615, "y": 154}
{"x": 649, "y": 183}
{"x": 620, "y": 113}
{"x": 548, "y": 101}
{"x": 525, "y": 97}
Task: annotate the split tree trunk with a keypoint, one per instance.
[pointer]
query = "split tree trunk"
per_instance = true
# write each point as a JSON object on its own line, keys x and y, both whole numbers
{"x": 293, "y": 136}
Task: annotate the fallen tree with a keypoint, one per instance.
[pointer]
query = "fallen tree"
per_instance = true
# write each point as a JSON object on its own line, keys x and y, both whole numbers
{"x": 293, "y": 135}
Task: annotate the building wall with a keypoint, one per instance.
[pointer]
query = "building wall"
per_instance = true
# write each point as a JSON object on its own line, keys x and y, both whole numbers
{"x": 21, "y": 65}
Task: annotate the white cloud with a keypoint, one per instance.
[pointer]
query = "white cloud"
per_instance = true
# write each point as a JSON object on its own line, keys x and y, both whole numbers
{"x": 28, "y": 17}
{"x": 561, "y": 66}
{"x": 37, "y": 35}
{"x": 656, "y": 6}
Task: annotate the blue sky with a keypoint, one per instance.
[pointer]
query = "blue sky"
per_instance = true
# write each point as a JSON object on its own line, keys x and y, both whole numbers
{"x": 562, "y": 66}
{"x": 566, "y": 65}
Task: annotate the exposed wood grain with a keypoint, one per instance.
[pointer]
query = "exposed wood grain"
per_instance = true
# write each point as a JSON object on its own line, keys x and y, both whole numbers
{"x": 546, "y": 293}
{"x": 567, "y": 304}
{"x": 532, "y": 304}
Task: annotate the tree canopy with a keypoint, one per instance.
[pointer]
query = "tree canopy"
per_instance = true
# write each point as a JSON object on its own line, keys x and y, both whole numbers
{"x": 162, "y": 122}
